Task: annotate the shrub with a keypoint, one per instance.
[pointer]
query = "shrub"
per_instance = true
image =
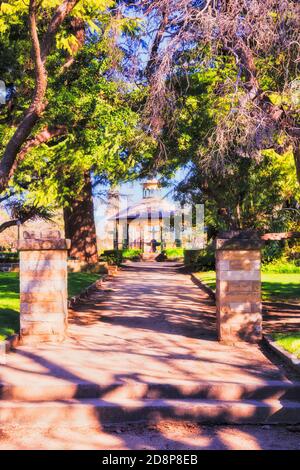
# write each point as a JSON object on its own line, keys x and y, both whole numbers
{"x": 278, "y": 257}
{"x": 9, "y": 257}
{"x": 191, "y": 257}
{"x": 200, "y": 260}
{"x": 271, "y": 251}
{"x": 281, "y": 266}
{"x": 112, "y": 257}
{"x": 132, "y": 254}
{"x": 173, "y": 254}
{"x": 294, "y": 251}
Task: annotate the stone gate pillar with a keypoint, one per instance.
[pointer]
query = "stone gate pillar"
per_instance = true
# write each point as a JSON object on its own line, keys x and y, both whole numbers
{"x": 43, "y": 287}
{"x": 238, "y": 292}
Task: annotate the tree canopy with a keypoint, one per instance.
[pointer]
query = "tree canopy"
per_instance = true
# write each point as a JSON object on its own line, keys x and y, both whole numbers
{"x": 113, "y": 88}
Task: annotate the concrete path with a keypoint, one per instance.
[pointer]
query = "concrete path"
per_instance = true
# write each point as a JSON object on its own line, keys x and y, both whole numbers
{"x": 163, "y": 436}
{"x": 151, "y": 324}
{"x": 148, "y": 336}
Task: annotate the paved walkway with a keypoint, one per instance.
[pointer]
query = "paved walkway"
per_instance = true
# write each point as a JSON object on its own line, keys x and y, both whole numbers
{"x": 151, "y": 324}
{"x": 149, "y": 333}
{"x": 163, "y": 436}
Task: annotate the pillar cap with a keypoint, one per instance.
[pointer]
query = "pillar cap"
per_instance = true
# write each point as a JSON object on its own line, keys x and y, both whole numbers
{"x": 35, "y": 244}
{"x": 239, "y": 240}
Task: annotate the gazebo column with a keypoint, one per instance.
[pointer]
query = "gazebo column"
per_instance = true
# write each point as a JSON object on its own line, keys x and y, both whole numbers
{"x": 238, "y": 292}
{"x": 43, "y": 289}
{"x": 116, "y": 235}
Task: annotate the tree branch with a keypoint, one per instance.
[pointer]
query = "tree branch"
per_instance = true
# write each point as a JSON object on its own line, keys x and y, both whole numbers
{"x": 157, "y": 42}
{"x": 38, "y": 103}
{"x": 78, "y": 28}
{"x": 8, "y": 224}
{"x": 57, "y": 19}
{"x": 44, "y": 136}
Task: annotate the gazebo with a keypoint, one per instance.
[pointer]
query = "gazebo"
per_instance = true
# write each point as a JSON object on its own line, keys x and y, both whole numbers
{"x": 146, "y": 224}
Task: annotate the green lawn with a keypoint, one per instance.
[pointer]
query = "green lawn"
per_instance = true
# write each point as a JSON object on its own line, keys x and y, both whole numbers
{"x": 9, "y": 304}
{"x": 275, "y": 286}
{"x": 290, "y": 342}
{"x": 208, "y": 277}
{"x": 9, "y": 297}
{"x": 77, "y": 282}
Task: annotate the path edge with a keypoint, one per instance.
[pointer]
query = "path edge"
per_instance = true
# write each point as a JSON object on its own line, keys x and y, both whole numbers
{"x": 290, "y": 359}
{"x": 203, "y": 286}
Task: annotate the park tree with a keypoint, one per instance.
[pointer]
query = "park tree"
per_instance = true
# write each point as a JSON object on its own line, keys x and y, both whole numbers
{"x": 88, "y": 127}
{"x": 44, "y": 20}
{"x": 261, "y": 38}
{"x": 238, "y": 192}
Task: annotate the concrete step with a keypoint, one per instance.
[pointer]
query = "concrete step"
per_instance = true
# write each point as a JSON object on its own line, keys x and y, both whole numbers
{"x": 55, "y": 389}
{"x": 101, "y": 412}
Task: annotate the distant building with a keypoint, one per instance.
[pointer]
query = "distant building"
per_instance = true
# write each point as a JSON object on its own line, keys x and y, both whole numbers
{"x": 146, "y": 225}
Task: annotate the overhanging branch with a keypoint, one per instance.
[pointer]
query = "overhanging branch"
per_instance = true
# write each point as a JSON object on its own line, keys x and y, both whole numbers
{"x": 38, "y": 103}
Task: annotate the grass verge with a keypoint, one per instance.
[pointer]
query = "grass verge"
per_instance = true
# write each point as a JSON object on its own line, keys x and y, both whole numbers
{"x": 275, "y": 286}
{"x": 290, "y": 342}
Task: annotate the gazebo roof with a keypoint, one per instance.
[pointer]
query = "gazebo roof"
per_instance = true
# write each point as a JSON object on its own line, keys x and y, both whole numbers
{"x": 159, "y": 208}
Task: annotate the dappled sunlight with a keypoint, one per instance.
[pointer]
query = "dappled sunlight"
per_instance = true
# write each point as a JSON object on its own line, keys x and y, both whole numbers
{"x": 281, "y": 317}
{"x": 235, "y": 439}
{"x": 134, "y": 331}
{"x": 163, "y": 435}
{"x": 147, "y": 334}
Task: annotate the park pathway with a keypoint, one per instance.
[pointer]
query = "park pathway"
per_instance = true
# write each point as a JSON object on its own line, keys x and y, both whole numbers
{"x": 149, "y": 323}
{"x": 145, "y": 338}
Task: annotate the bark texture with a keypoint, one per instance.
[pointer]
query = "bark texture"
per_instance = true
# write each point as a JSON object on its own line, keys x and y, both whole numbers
{"x": 80, "y": 225}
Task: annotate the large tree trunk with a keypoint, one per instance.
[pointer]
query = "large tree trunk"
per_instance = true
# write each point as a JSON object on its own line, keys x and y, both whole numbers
{"x": 80, "y": 225}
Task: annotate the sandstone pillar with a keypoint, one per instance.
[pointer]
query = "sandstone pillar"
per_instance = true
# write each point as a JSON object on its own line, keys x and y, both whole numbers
{"x": 238, "y": 292}
{"x": 43, "y": 288}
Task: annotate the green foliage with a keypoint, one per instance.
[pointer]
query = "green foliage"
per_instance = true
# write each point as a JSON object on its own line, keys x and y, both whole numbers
{"x": 272, "y": 251}
{"x": 281, "y": 256}
{"x": 191, "y": 257}
{"x": 174, "y": 254}
{"x": 200, "y": 260}
{"x": 98, "y": 109}
{"x": 265, "y": 197}
{"x": 13, "y": 12}
{"x": 112, "y": 257}
{"x": 103, "y": 134}
{"x": 275, "y": 286}
{"x": 9, "y": 257}
{"x": 132, "y": 254}
{"x": 281, "y": 266}
{"x": 238, "y": 191}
